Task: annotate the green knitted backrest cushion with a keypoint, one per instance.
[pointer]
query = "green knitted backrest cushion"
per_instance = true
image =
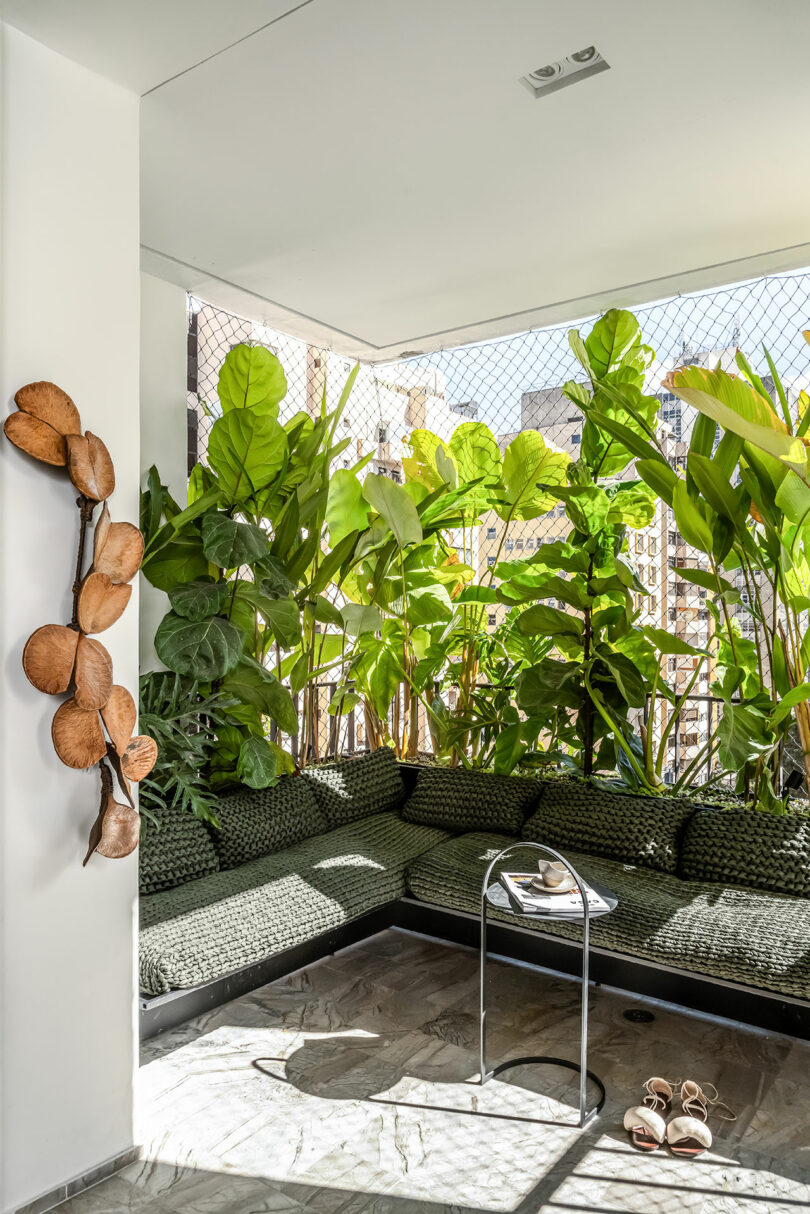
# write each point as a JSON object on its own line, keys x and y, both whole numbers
{"x": 749, "y": 847}
{"x": 176, "y": 851}
{"x": 459, "y": 800}
{"x": 357, "y": 788}
{"x": 636, "y": 830}
{"x": 256, "y": 822}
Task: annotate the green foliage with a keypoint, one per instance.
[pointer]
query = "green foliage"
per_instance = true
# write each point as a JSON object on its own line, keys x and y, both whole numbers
{"x": 183, "y": 721}
{"x": 283, "y": 570}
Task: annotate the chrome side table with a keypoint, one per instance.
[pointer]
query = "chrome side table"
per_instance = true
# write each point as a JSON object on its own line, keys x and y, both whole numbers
{"x": 495, "y": 895}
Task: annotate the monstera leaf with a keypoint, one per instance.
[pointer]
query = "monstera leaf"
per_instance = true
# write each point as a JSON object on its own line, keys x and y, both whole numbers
{"x": 251, "y": 378}
{"x": 527, "y": 461}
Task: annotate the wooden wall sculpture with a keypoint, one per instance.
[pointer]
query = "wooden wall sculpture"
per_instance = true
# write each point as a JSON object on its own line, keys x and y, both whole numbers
{"x": 94, "y": 725}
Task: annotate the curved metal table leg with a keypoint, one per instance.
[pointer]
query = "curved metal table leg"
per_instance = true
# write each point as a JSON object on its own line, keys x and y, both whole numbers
{"x": 585, "y": 1115}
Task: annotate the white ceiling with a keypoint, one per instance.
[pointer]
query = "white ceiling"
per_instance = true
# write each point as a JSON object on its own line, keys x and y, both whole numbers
{"x": 370, "y": 173}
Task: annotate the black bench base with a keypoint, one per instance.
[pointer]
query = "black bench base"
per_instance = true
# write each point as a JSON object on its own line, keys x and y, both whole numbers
{"x": 759, "y": 1009}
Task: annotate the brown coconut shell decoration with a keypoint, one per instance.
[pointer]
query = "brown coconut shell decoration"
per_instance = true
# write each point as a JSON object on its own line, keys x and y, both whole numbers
{"x": 65, "y": 658}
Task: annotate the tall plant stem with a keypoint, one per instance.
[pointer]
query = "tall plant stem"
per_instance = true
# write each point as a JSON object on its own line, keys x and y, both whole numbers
{"x": 587, "y": 707}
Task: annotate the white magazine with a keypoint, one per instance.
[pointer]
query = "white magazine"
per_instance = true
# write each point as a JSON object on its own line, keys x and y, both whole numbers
{"x": 517, "y": 886}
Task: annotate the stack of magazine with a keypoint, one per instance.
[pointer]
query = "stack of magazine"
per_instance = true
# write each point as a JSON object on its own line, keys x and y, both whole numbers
{"x": 526, "y": 896}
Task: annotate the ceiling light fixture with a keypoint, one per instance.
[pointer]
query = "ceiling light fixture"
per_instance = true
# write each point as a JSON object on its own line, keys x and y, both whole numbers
{"x": 545, "y": 80}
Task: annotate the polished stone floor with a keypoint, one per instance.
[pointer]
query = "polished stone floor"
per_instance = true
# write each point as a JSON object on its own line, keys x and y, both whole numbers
{"x": 349, "y": 1087}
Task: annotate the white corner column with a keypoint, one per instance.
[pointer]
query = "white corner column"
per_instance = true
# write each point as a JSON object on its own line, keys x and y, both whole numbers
{"x": 69, "y": 228}
{"x": 164, "y": 426}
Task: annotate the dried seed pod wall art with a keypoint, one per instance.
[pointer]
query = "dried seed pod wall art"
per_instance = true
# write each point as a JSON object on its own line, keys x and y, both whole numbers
{"x": 94, "y": 726}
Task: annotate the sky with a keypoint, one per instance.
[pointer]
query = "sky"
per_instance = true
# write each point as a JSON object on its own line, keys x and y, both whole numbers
{"x": 773, "y": 310}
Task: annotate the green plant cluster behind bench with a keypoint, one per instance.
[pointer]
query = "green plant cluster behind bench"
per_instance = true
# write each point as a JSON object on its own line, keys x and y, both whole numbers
{"x": 712, "y": 891}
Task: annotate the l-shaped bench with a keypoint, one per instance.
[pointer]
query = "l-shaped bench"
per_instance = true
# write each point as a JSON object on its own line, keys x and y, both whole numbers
{"x": 713, "y": 914}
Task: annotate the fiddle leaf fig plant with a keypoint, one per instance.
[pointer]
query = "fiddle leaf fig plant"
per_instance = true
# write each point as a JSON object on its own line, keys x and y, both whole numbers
{"x": 240, "y": 560}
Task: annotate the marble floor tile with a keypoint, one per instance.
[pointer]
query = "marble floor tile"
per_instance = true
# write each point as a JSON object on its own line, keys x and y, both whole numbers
{"x": 350, "y": 1087}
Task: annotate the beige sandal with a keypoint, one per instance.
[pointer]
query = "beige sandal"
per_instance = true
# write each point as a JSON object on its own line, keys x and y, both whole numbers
{"x": 645, "y": 1122}
{"x": 688, "y": 1134}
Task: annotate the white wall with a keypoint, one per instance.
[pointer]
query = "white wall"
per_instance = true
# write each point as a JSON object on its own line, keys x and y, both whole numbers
{"x": 164, "y": 326}
{"x": 69, "y": 313}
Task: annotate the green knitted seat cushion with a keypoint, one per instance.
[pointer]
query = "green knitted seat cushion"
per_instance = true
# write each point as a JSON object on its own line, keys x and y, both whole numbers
{"x": 177, "y": 850}
{"x": 357, "y": 788}
{"x": 210, "y": 927}
{"x": 636, "y": 830}
{"x": 458, "y": 800}
{"x": 256, "y": 822}
{"x": 749, "y": 937}
{"x": 749, "y": 847}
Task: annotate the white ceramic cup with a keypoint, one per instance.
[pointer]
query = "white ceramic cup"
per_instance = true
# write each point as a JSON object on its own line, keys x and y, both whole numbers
{"x": 555, "y": 875}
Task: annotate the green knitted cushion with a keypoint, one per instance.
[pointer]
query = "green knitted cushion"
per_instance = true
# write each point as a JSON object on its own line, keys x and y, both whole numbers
{"x": 231, "y": 919}
{"x": 179, "y": 849}
{"x": 749, "y": 847}
{"x": 256, "y": 822}
{"x": 357, "y": 788}
{"x": 746, "y": 936}
{"x": 455, "y": 799}
{"x": 636, "y": 830}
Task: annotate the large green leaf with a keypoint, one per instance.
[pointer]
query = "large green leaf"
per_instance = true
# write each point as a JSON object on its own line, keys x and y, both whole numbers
{"x": 282, "y": 615}
{"x": 541, "y": 620}
{"x": 359, "y": 618}
{"x": 395, "y": 505}
{"x": 704, "y": 578}
{"x": 247, "y": 450}
{"x": 610, "y": 339}
{"x": 476, "y": 452}
{"x": 254, "y": 684}
{"x": 793, "y": 498}
{"x": 714, "y": 487}
{"x": 346, "y": 508}
{"x": 182, "y": 560}
{"x": 203, "y": 649}
{"x": 421, "y": 466}
{"x": 527, "y": 461}
{"x": 691, "y": 523}
{"x": 738, "y": 407}
{"x": 628, "y": 678}
{"x": 229, "y": 544}
{"x": 256, "y": 766}
{"x": 665, "y": 642}
{"x": 744, "y": 735}
{"x": 547, "y": 685}
{"x": 796, "y": 695}
{"x": 198, "y": 600}
{"x": 251, "y": 378}
{"x": 509, "y": 749}
{"x": 428, "y": 604}
{"x": 634, "y": 507}
{"x": 379, "y": 672}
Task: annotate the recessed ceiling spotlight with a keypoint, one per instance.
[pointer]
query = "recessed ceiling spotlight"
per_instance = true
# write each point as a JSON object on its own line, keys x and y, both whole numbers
{"x": 545, "y": 80}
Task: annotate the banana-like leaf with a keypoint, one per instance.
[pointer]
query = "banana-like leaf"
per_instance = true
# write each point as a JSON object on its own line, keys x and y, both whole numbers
{"x": 395, "y": 505}
{"x": 346, "y": 508}
{"x": 735, "y": 405}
